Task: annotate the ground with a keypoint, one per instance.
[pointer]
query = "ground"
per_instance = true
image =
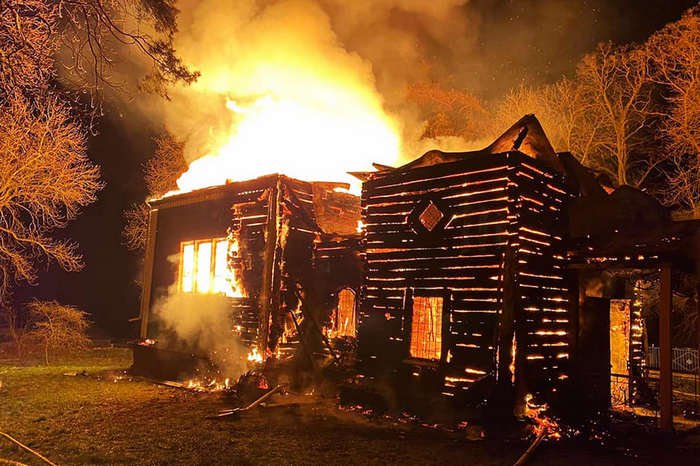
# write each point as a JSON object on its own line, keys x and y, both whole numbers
{"x": 105, "y": 417}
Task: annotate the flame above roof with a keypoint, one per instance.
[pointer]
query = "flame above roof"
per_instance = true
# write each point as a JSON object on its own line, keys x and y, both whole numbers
{"x": 526, "y": 136}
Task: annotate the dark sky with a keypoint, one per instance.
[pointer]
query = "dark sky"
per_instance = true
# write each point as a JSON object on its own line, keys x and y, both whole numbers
{"x": 510, "y": 31}
{"x": 540, "y": 40}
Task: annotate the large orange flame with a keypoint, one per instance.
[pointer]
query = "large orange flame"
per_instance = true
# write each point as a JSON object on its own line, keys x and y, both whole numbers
{"x": 316, "y": 134}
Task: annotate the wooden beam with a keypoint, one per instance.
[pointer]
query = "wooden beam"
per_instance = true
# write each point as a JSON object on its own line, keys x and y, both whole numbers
{"x": 362, "y": 176}
{"x": 266, "y": 290}
{"x": 505, "y": 376}
{"x": 665, "y": 363}
{"x": 148, "y": 272}
{"x": 381, "y": 167}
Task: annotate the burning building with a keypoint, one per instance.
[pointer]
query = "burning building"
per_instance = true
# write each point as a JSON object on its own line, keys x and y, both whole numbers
{"x": 465, "y": 288}
{"x": 267, "y": 251}
{"x": 468, "y": 281}
{"x": 478, "y": 272}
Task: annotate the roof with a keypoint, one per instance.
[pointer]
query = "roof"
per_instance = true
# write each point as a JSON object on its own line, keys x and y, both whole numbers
{"x": 525, "y": 136}
{"x": 624, "y": 222}
{"x": 329, "y": 211}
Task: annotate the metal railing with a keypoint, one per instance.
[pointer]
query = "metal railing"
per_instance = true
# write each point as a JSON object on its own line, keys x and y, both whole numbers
{"x": 684, "y": 359}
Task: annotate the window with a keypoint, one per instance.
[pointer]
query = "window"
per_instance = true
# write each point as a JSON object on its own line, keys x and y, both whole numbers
{"x": 222, "y": 281}
{"x": 203, "y": 273}
{"x": 345, "y": 314}
{"x": 187, "y": 267}
{"x": 426, "y": 327}
{"x": 204, "y": 266}
{"x": 430, "y": 217}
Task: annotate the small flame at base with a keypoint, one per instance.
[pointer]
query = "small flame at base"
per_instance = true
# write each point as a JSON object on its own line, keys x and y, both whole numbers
{"x": 543, "y": 425}
{"x": 255, "y": 356}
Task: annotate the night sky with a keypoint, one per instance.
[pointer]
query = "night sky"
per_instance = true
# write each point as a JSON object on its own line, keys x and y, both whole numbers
{"x": 543, "y": 53}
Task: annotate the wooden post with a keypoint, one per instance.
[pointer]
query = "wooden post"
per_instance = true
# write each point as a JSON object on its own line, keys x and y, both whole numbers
{"x": 268, "y": 278}
{"x": 508, "y": 370}
{"x": 148, "y": 273}
{"x": 665, "y": 359}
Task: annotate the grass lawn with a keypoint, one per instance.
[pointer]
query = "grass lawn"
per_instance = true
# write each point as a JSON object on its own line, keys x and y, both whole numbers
{"x": 107, "y": 418}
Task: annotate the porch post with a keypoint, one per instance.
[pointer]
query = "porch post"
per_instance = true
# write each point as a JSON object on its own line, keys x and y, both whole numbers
{"x": 665, "y": 359}
{"x": 145, "y": 308}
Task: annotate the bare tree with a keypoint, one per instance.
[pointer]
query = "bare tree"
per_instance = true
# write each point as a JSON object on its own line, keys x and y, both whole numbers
{"x": 560, "y": 108}
{"x": 681, "y": 189}
{"x": 167, "y": 164}
{"x": 135, "y": 227}
{"x": 675, "y": 55}
{"x": 45, "y": 175}
{"x": 60, "y": 328}
{"x": 45, "y": 180}
{"x": 26, "y": 45}
{"x": 160, "y": 174}
{"x": 85, "y": 37}
{"x": 16, "y": 326}
{"x": 616, "y": 85}
{"x": 450, "y": 112}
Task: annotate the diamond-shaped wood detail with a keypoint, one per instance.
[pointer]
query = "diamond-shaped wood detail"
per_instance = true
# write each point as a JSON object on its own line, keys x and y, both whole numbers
{"x": 431, "y": 216}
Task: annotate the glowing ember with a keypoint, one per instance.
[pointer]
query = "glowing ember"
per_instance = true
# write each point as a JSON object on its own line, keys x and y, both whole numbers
{"x": 231, "y": 285}
{"x": 212, "y": 385}
{"x": 543, "y": 425}
{"x": 255, "y": 356}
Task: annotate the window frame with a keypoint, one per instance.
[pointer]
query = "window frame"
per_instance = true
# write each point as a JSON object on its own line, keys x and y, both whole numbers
{"x": 181, "y": 266}
{"x": 195, "y": 270}
{"x": 446, "y": 296}
{"x": 354, "y": 311}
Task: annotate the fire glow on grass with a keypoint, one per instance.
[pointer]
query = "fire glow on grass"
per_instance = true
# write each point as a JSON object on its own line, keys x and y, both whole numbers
{"x": 317, "y": 135}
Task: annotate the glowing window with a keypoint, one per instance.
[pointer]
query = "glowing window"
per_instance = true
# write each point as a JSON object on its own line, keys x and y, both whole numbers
{"x": 187, "y": 268}
{"x": 345, "y": 314}
{"x": 204, "y": 266}
{"x": 221, "y": 271}
{"x": 203, "y": 274}
{"x": 426, "y": 327}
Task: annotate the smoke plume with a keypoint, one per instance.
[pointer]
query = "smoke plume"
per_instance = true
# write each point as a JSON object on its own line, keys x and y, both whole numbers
{"x": 327, "y": 54}
{"x": 312, "y": 66}
{"x": 201, "y": 324}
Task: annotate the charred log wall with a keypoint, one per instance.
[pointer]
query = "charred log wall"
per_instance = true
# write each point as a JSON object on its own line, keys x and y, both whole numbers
{"x": 544, "y": 313}
{"x": 460, "y": 257}
{"x": 273, "y": 220}
{"x": 297, "y": 231}
{"x": 207, "y": 214}
{"x": 338, "y": 265}
{"x": 489, "y": 209}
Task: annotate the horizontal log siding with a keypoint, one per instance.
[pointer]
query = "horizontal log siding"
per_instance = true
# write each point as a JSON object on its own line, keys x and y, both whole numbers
{"x": 493, "y": 201}
{"x": 465, "y": 261}
{"x": 249, "y": 224}
{"x": 542, "y": 287}
{"x": 245, "y": 318}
